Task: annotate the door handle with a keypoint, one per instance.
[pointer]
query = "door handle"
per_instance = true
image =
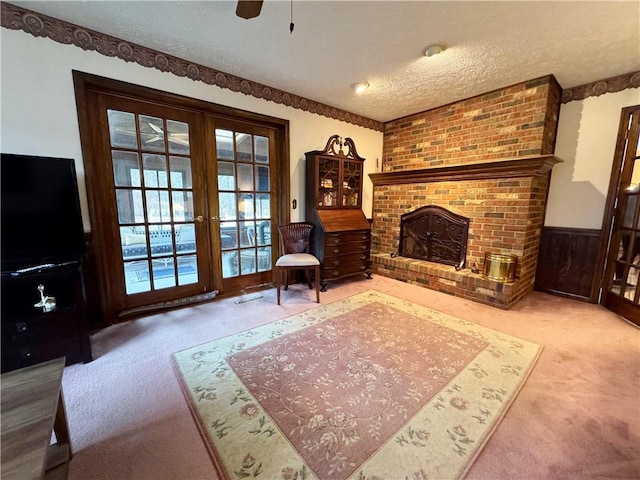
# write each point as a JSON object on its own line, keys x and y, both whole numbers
{"x": 199, "y": 219}
{"x": 215, "y": 218}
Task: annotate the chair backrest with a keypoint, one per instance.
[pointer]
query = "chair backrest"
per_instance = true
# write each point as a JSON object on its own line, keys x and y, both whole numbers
{"x": 294, "y": 237}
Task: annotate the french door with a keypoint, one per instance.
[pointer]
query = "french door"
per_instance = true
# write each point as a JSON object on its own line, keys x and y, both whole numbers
{"x": 245, "y": 202}
{"x": 150, "y": 210}
{"x": 622, "y": 278}
{"x": 183, "y": 202}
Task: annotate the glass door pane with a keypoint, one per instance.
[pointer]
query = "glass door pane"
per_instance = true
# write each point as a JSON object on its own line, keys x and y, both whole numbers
{"x": 351, "y": 179}
{"x": 152, "y": 175}
{"x": 244, "y": 202}
{"x": 623, "y": 293}
{"x": 626, "y": 265}
{"x": 329, "y": 177}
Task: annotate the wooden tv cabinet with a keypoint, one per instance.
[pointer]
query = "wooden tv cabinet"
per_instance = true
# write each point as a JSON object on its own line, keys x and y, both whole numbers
{"x": 32, "y": 334}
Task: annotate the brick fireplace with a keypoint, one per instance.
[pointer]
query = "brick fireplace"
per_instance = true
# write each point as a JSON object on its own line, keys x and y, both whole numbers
{"x": 487, "y": 158}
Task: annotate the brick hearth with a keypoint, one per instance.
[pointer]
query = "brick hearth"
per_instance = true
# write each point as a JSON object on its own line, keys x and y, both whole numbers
{"x": 443, "y": 278}
{"x": 487, "y": 158}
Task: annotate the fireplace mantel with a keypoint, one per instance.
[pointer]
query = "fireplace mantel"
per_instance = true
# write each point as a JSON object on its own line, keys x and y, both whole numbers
{"x": 509, "y": 168}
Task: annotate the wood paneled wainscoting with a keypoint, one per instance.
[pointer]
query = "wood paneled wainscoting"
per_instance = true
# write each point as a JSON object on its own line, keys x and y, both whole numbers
{"x": 566, "y": 262}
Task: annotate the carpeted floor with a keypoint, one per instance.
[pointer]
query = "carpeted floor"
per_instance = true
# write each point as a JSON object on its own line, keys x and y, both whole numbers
{"x": 577, "y": 416}
{"x": 370, "y": 386}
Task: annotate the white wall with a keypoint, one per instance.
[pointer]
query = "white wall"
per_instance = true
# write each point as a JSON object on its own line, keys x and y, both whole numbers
{"x": 38, "y": 112}
{"x": 586, "y": 142}
{"x": 38, "y": 117}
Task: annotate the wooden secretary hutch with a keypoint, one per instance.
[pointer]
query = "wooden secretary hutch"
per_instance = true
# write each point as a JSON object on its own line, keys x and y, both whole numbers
{"x": 341, "y": 238}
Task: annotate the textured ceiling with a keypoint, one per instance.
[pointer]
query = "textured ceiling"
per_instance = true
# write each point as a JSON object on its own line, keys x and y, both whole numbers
{"x": 336, "y": 44}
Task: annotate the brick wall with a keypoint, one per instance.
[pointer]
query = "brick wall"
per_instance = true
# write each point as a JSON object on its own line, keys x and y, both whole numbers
{"x": 516, "y": 121}
{"x": 506, "y": 214}
{"x": 499, "y": 211}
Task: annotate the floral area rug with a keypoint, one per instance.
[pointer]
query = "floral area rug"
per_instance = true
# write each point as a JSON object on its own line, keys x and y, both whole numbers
{"x": 370, "y": 387}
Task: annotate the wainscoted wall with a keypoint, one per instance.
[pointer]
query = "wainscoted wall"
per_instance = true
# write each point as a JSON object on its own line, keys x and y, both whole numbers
{"x": 506, "y": 209}
{"x": 566, "y": 262}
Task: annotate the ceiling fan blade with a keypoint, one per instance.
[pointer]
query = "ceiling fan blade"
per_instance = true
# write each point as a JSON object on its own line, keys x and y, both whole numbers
{"x": 248, "y": 8}
{"x": 178, "y": 138}
{"x": 155, "y": 128}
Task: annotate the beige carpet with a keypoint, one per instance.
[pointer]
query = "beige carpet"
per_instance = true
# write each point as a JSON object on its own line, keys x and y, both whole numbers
{"x": 368, "y": 387}
{"x": 577, "y": 418}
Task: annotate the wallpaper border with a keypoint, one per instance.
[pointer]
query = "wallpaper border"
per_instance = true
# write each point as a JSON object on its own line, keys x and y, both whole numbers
{"x": 595, "y": 89}
{"x": 17, "y": 18}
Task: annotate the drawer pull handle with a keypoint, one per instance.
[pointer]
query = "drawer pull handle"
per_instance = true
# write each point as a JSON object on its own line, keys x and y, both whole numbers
{"x": 335, "y": 273}
{"x": 336, "y": 250}
{"x": 363, "y": 257}
{"x": 363, "y": 247}
{"x": 336, "y": 262}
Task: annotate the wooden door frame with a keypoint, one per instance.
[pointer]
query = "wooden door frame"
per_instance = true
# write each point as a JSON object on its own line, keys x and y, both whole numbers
{"x": 599, "y": 285}
{"x": 85, "y": 83}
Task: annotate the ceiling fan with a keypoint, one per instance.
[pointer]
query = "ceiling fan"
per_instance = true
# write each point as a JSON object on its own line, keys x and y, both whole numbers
{"x": 157, "y": 135}
{"x": 248, "y": 8}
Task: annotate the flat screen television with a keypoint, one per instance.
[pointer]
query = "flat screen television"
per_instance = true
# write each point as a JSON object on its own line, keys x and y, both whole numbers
{"x": 41, "y": 223}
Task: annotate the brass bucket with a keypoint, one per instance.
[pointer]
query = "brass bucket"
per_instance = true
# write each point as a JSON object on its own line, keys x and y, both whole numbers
{"x": 500, "y": 267}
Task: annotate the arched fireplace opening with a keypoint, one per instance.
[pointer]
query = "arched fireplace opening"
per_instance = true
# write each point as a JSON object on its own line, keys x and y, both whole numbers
{"x": 434, "y": 234}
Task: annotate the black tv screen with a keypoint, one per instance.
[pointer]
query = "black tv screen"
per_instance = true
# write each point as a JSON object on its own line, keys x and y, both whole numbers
{"x": 41, "y": 219}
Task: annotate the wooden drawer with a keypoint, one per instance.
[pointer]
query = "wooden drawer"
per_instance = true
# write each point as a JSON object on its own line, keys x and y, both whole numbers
{"x": 339, "y": 260}
{"x": 346, "y": 248}
{"x": 344, "y": 269}
{"x": 18, "y": 356}
{"x": 345, "y": 254}
{"x": 46, "y": 328}
{"x": 333, "y": 239}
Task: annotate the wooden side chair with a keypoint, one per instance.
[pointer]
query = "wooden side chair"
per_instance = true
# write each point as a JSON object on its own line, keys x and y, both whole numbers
{"x": 294, "y": 245}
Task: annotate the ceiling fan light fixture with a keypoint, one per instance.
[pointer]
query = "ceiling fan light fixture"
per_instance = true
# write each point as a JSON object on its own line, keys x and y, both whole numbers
{"x": 359, "y": 88}
{"x": 248, "y": 8}
{"x": 435, "y": 49}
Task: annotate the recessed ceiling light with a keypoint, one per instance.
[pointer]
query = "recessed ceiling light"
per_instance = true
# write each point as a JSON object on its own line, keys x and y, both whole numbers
{"x": 360, "y": 87}
{"x": 435, "y": 49}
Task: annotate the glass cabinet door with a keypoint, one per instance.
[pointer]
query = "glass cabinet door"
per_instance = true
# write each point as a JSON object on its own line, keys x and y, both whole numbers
{"x": 351, "y": 181}
{"x": 329, "y": 182}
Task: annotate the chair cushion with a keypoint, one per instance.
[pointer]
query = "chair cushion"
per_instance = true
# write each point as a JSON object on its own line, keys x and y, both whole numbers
{"x": 297, "y": 260}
